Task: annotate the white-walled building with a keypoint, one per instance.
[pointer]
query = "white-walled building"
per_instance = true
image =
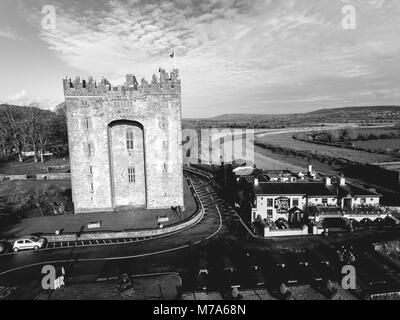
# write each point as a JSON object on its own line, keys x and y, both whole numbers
{"x": 273, "y": 201}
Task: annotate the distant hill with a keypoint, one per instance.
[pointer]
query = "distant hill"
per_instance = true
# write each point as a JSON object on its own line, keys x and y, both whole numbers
{"x": 244, "y": 116}
{"x": 366, "y": 109}
{"x": 321, "y": 112}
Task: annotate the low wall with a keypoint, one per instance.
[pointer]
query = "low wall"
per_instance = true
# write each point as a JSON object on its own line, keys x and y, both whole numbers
{"x": 53, "y": 176}
{"x": 126, "y": 234}
{"x": 285, "y": 233}
{"x": 191, "y": 222}
{"x": 15, "y": 177}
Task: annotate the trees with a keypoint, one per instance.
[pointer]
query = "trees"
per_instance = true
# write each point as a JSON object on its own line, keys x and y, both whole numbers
{"x": 15, "y": 132}
{"x": 32, "y": 129}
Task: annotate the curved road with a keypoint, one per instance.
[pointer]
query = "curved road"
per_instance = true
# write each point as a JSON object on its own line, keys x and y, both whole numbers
{"x": 23, "y": 270}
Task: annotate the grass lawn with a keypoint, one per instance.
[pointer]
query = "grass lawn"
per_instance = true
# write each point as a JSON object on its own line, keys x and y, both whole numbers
{"x": 29, "y": 167}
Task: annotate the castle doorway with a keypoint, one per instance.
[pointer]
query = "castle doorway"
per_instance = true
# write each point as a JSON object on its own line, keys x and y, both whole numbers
{"x": 127, "y": 164}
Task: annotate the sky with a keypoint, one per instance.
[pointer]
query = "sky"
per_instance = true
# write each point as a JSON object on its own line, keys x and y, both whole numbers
{"x": 234, "y": 56}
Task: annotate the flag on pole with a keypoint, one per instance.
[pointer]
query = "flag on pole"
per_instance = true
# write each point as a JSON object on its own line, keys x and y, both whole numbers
{"x": 172, "y": 55}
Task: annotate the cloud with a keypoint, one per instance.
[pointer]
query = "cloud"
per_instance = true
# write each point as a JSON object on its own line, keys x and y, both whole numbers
{"x": 235, "y": 53}
{"x": 23, "y": 98}
{"x": 17, "y": 98}
{"x": 9, "y": 34}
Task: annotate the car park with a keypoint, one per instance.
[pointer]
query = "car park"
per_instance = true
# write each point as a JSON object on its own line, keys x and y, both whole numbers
{"x": 29, "y": 243}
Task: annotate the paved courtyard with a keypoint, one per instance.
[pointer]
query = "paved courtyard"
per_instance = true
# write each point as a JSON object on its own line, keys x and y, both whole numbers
{"x": 127, "y": 219}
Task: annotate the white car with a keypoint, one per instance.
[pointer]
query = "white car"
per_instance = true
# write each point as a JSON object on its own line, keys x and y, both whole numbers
{"x": 31, "y": 242}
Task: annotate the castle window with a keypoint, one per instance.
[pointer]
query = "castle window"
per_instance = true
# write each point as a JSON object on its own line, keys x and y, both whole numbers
{"x": 131, "y": 175}
{"x": 89, "y": 150}
{"x": 91, "y": 187}
{"x": 163, "y": 123}
{"x": 165, "y": 167}
{"x": 129, "y": 140}
{"x": 86, "y": 124}
{"x": 90, "y": 171}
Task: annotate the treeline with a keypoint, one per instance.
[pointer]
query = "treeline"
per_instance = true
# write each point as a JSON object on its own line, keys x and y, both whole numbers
{"x": 306, "y": 154}
{"x": 32, "y": 129}
{"x": 344, "y": 136}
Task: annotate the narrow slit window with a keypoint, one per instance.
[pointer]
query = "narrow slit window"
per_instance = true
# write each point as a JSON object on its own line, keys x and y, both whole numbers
{"x": 131, "y": 175}
{"x": 89, "y": 150}
{"x": 91, "y": 187}
{"x": 129, "y": 140}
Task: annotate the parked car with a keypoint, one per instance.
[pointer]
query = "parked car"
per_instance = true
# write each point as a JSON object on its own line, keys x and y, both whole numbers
{"x": 31, "y": 242}
{"x": 4, "y": 246}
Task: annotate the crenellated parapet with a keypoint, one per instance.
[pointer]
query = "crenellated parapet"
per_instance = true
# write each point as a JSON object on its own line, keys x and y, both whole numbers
{"x": 165, "y": 84}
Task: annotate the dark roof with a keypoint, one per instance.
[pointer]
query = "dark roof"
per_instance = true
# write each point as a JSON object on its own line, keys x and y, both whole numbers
{"x": 311, "y": 189}
{"x": 296, "y": 188}
{"x": 354, "y": 190}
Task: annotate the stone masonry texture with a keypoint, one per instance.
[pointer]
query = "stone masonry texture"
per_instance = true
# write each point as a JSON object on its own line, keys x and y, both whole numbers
{"x": 125, "y": 143}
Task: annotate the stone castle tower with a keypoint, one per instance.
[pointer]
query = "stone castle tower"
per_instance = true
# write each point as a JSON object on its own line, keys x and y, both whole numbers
{"x": 125, "y": 143}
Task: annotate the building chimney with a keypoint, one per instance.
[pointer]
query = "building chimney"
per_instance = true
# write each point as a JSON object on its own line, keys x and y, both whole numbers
{"x": 310, "y": 169}
{"x": 256, "y": 182}
{"x": 342, "y": 180}
{"x": 328, "y": 181}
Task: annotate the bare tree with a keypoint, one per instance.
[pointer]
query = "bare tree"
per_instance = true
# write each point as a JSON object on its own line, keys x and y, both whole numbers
{"x": 36, "y": 130}
{"x": 30, "y": 129}
{"x": 15, "y": 133}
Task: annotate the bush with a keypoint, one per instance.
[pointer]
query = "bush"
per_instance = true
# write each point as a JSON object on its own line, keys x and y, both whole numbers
{"x": 48, "y": 202}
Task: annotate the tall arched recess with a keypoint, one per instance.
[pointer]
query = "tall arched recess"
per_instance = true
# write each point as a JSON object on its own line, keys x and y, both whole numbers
{"x": 126, "y": 142}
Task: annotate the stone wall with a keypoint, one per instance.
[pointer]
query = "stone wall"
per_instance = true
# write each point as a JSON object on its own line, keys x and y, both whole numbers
{"x": 92, "y": 109}
{"x": 15, "y": 177}
{"x": 53, "y": 176}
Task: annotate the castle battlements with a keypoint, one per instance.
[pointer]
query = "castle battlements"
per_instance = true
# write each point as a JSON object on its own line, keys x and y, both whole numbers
{"x": 165, "y": 84}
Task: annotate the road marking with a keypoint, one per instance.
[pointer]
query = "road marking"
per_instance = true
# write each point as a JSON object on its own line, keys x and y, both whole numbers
{"x": 132, "y": 256}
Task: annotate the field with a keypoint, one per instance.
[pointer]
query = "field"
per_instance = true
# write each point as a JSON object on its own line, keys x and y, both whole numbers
{"x": 29, "y": 167}
{"x": 286, "y": 141}
{"x": 380, "y": 144}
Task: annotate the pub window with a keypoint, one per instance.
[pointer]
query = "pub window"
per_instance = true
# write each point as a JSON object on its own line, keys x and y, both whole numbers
{"x": 129, "y": 140}
{"x": 270, "y": 214}
{"x": 363, "y": 200}
{"x": 324, "y": 201}
{"x": 295, "y": 202}
{"x": 270, "y": 202}
{"x": 131, "y": 175}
